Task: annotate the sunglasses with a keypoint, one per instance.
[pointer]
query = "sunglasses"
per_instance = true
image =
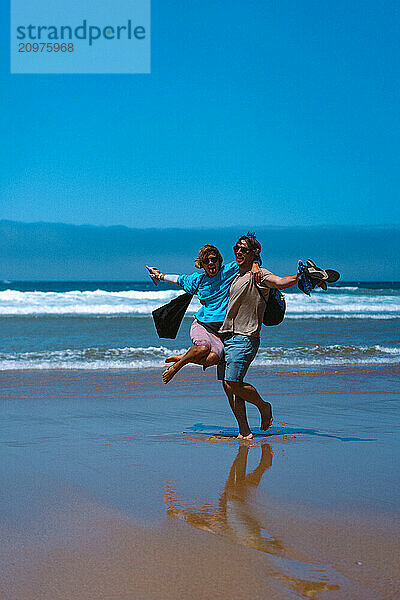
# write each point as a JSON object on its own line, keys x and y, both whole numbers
{"x": 241, "y": 249}
{"x": 210, "y": 259}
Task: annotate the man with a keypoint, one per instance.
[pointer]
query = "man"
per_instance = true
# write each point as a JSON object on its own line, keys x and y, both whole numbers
{"x": 241, "y": 329}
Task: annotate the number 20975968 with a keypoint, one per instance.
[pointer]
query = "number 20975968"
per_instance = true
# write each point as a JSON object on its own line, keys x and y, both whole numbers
{"x": 45, "y": 47}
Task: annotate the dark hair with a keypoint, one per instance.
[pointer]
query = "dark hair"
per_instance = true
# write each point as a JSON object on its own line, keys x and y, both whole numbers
{"x": 204, "y": 252}
{"x": 253, "y": 245}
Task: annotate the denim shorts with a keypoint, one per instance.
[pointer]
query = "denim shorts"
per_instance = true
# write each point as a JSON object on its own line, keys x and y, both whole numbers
{"x": 240, "y": 351}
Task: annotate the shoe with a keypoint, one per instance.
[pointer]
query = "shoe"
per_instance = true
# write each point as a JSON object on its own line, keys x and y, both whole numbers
{"x": 316, "y": 272}
{"x": 311, "y": 285}
{"x": 305, "y": 284}
{"x": 332, "y": 276}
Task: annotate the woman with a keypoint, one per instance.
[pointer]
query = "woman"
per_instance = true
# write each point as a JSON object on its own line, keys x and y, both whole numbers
{"x": 212, "y": 289}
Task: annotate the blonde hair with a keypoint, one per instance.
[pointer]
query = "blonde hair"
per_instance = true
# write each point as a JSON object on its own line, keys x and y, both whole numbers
{"x": 204, "y": 252}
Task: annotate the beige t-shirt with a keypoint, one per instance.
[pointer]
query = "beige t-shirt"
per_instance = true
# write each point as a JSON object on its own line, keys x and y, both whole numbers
{"x": 246, "y": 308}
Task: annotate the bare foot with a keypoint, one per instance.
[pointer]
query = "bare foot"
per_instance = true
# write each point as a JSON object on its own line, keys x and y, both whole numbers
{"x": 250, "y": 436}
{"x": 266, "y": 416}
{"x": 169, "y": 373}
{"x": 172, "y": 358}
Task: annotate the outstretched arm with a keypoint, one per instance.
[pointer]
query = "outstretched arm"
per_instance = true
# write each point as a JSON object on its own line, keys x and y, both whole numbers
{"x": 156, "y": 273}
{"x": 281, "y": 283}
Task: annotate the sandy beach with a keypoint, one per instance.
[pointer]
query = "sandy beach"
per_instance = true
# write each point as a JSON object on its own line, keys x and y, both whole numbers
{"x": 116, "y": 486}
{"x": 187, "y": 184}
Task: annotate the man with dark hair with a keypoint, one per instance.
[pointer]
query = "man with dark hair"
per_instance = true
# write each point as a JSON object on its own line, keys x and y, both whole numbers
{"x": 253, "y": 245}
{"x": 241, "y": 329}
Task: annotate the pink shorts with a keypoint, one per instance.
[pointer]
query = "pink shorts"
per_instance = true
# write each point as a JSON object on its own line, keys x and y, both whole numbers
{"x": 201, "y": 336}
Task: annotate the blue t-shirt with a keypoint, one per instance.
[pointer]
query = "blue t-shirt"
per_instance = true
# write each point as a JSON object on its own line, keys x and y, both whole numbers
{"x": 213, "y": 292}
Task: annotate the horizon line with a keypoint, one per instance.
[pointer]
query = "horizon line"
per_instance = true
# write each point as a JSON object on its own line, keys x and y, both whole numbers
{"x": 204, "y": 228}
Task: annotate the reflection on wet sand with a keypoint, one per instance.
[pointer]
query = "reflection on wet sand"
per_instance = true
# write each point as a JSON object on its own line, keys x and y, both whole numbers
{"x": 234, "y": 516}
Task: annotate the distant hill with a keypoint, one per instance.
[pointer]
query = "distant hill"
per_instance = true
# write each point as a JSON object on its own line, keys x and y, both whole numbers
{"x": 57, "y": 251}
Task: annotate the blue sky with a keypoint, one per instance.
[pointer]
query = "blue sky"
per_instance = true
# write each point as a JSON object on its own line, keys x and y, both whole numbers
{"x": 255, "y": 113}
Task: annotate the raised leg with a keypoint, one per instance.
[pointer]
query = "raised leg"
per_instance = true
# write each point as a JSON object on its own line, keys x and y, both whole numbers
{"x": 250, "y": 394}
{"x": 210, "y": 360}
{"x": 195, "y": 354}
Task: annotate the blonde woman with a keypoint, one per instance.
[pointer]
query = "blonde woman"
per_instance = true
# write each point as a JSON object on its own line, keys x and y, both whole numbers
{"x": 212, "y": 289}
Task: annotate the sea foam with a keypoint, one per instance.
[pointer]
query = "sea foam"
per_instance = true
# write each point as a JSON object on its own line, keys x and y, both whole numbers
{"x": 154, "y": 356}
{"x": 332, "y": 304}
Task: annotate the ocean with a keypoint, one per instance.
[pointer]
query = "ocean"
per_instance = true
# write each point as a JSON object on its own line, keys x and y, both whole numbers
{"x": 88, "y": 455}
{"x": 108, "y": 325}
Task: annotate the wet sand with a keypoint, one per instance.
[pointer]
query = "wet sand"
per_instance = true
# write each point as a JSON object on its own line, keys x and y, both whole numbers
{"x": 116, "y": 486}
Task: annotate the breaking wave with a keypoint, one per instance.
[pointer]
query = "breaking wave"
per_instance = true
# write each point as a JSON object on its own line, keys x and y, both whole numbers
{"x": 339, "y": 303}
{"x": 154, "y": 356}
